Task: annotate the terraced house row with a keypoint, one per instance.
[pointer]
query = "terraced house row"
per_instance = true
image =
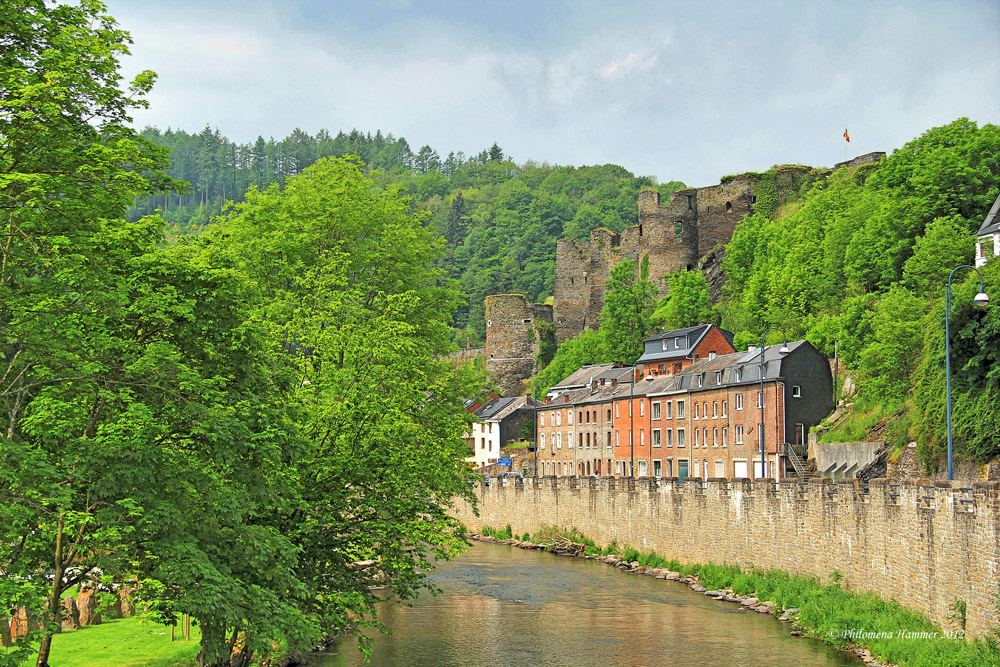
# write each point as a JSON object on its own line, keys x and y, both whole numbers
{"x": 690, "y": 406}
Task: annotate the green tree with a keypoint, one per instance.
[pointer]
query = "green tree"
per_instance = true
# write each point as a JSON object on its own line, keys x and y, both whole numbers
{"x": 378, "y": 414}
{"x": 573, "y": 354}
{"x": 686, "y": 303}
{"x": 626, "y": 318}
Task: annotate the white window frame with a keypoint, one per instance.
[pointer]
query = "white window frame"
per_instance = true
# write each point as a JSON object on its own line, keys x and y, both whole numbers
{"x": 701, "y": 379}
{"x": 617, "y": 443}
{"x": 796, "y": 391}
{"x": 541, "y": 419}
{"x": 642, "y": 408}
{"x": 760, "y": 399}
{"x": 558, "y": 417}
{"x": 657, "y": 410}
{"x": 739, "y": 401}
{"x": 559, "y": 440}
{"x": 681, "y": 438}
{"x": 569, "y": 417}
{"x": 715, "y": 409}
{"x": 739, "y": 434}
{"x": 657, "y": 437}
{"x": 670, "y": 437}
{"x": 669, "y": 410}
{"x": 695, "y": 416}
{"x": 616, "y": 409}
{"x": 680, "y": 409}
{"x": 724, "y": 409}
{"x": 541, "y": 441}
{"x": 725, "y": 436}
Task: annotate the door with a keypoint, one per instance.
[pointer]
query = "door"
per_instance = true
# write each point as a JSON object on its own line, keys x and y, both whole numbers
{"x": 682, "y": 469}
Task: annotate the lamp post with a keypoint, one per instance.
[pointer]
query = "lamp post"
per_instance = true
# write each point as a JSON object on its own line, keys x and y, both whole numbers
{"x": 534, "y": 406}
{"x": 980, "y": 300}
{"x": 783, "y": 351}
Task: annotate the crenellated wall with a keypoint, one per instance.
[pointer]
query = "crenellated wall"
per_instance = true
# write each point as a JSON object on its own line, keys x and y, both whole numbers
{"x": 924, "y": 545}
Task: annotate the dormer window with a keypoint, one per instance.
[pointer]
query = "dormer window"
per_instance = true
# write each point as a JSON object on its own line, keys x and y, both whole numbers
{"x": 701, "y": 380}
{"x": 718, "y": 377}
{"x": 665, "y": 341}
{"x": 738, "y": 375}
{"x": 712, "y": 354}
{"x": 677, "y": 343}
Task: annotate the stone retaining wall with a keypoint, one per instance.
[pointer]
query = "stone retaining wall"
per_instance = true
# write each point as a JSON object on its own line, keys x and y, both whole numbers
{"x": 922, "y": 544}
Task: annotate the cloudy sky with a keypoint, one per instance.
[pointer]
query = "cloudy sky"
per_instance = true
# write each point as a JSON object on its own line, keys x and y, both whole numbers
{"x": 688, "y": 91}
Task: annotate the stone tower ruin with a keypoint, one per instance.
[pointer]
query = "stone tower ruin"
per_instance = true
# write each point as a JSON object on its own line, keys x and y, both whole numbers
{"x": 514, "y": 329}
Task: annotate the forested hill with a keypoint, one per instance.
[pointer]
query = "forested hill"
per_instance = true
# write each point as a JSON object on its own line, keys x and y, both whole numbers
{"x": 500, "y": 220}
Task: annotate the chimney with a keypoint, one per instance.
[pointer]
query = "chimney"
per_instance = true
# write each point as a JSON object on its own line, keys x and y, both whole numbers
{"x": 751, "y": 348}
{"x": 565, "y": 398}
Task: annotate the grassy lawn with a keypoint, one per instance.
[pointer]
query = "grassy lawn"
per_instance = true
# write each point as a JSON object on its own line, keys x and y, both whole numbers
{"x": 123, "y": 643}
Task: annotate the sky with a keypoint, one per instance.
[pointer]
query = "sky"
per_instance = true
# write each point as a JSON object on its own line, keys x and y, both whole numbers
{"x": 685, "y": 91}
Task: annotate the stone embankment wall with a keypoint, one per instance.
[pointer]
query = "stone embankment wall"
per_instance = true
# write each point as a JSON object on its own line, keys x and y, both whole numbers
{"x": 924, "y": 545}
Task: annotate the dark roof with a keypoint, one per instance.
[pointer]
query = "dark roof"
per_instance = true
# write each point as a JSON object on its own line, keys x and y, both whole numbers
{"x": 991, "y": 224}
{"x": 679, "y": 332}
{"x": 493, "y": 407}
{"x": 583, "y": 376}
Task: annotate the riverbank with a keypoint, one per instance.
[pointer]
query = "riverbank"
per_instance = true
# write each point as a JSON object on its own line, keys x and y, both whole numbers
{"x": 882, "y": 633}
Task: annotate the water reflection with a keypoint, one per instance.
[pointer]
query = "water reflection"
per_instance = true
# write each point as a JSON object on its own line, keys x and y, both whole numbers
{"x": 506, "y": 606}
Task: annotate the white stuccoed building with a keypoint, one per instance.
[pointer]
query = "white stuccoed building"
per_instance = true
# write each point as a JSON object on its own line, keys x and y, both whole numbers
{"x": 988, "y": 241}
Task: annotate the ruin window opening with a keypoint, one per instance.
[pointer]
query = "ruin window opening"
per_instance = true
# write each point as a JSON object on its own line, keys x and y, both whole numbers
{"x": 527, "y": 321}
{"x": 678, "y": 228}
{"x": 571, "y": 280}
{"x": 690, "y": 203}
{"x": 729, "y": 207}
{"x": 640, "y": 230}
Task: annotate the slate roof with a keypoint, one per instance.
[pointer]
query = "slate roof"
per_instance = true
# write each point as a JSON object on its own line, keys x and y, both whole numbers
{"x": 691, "y": 336}
{"x": 991, "y": 224}
{"x": 583, "y": 376}
{"x": 491, "y": 409}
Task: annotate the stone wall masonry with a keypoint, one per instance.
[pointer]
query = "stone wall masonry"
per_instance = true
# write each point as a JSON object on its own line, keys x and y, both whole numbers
{"x": 513, "y": 338}
{"x": 924, "y": 545}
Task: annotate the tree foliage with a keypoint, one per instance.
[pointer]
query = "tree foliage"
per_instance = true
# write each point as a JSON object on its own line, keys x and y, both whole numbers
{"x": 686, "y": 303}
{"x": 626, "y": 318}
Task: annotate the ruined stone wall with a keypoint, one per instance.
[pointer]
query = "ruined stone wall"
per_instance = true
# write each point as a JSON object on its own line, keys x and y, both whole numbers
{"x": 720, "y": 207}
{"x": 924, "y": 547}
{"x": 513, "y": 338}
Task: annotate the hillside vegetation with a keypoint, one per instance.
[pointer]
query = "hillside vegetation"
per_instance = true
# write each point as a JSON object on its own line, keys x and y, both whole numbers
{"x": 500, "y": 220}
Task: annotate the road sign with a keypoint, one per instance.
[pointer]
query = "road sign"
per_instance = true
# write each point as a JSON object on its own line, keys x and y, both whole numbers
{"x": 504, "y": 462}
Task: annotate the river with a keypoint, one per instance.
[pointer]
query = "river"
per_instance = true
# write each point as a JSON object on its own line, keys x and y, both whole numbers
{"x": 503, "y": 606}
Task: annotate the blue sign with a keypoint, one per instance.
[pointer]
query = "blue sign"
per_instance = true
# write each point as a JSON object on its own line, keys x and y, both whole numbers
{"x": 504, "y": 462}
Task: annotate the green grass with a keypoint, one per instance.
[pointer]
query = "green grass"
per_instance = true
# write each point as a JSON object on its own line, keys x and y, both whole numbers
{"x": 123, "y": 642}
{"x": 826, "y": 611}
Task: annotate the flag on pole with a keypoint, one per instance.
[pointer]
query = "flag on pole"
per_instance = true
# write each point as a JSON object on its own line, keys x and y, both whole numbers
{"x": 847, "y": 136}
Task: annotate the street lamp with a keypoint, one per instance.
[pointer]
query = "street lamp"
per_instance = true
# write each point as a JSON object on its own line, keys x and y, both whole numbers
{"x": 980, "y": 300}
{"x": 783, "y": 351}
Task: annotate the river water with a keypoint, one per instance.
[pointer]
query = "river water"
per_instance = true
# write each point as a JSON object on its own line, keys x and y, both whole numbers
{"x": 503, "y": 606}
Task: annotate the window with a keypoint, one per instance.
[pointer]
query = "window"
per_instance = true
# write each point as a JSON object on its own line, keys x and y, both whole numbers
{"x": 657, "y": 437}
{"x": 739, "y": 469}
{"x": 725, "y": 437}
{"x": 656, "y": 410}
{"x": 739, "y": 401}
{"x": 695, "y": 443}
{"x": 541, "y": 419}
{"x": 558, "y": 440}
{"x": 489, "y": 426}
{"x": 670, "y": 410}
{"x": 670, "y": 438}
{"x": 642, "y": 408}
{"x": 760, "y": 399}
{"x": 712, "y": 354}
{"x": 609, "y": 415}
{"x": 701, "y": 379}
{"x": 657, "y": 468}
{"x": 670, "y": 467}
{"x": 642, "y": 438}
{"x": 704, "y": 439}
{"x": 723, "y": 409}
{"x": 715, "y": 409}
{"x": 569, "y": 417}
{"x": 541, "y": 441}
{"x": 715, "y": 437}
{"x": 665, "y": 344}
{"x": 680, "y": 438}
{"x": 630, "y": 408}
{"x": 616, "y": 411}
{"x": 718, "y": 377}
{"x": 796, "y": 391}
{"x": 677, "y": 343}
{"x": 739, "y": 436}
{"x": 482, "y": 443}
{"x": 581, "y": 439}
{"x": 618, "y": 467}
{"x": 720, "y": 468}
{"x": 680, "y": 409}
{"x": 617, "y": 444}
{"x": 738, "y": 375}
{"x": 559, "y": 418}
{"x": 579, "y": 418}
{"x": 695, "y": 411}
{"x": 642, "y": 468}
